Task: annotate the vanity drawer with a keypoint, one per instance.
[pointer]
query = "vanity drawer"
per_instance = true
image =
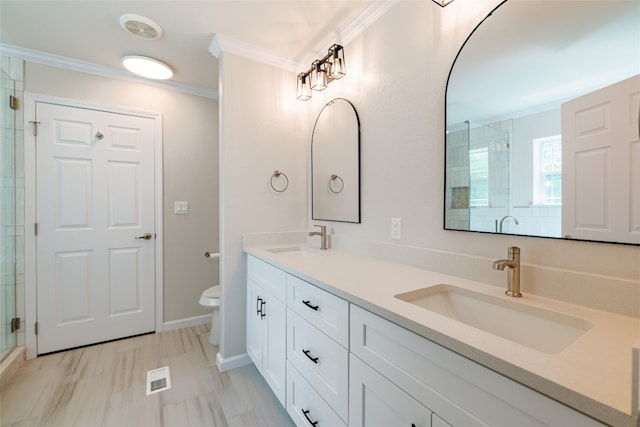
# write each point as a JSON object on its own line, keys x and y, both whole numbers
{"x": 271, "y": 278}
{"x": 304, "y": 404}
{"x": 325, "y": 311}
{"x": 320, "y": 360}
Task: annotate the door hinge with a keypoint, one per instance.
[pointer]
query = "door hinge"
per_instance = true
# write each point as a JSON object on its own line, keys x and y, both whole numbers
{"x": 35, "y": 228}
{"x": 13, "y": 102}
{"x": 35, "y": 127}
{"x": 37, "y": 328}
{"x": 15, "y": 324}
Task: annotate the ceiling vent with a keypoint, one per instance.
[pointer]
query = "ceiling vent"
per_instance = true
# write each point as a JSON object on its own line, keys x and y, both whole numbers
{"x": 141, "y": 27}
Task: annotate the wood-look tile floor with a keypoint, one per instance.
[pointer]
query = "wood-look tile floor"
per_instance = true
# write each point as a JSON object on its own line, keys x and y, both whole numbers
{"x": 104, "y": 385}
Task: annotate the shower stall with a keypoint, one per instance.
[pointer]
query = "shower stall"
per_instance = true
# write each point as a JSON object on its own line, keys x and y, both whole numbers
{"x": 12, "y": 197}
{"x": 478, "y": 177}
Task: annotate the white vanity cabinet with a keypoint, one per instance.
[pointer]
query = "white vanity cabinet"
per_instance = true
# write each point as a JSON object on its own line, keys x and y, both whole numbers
{"x": 460, "y": 391}
{"x": 266, "y": 323}
{"x": 338, "y": 364}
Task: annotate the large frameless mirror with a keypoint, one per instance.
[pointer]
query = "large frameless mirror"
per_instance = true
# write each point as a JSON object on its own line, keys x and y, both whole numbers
{"x": 335, "y": 163}
{"x": 542, "y": 133}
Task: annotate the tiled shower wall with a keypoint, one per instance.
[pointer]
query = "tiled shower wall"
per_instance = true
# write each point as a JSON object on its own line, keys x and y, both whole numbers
{"x": 498, "y": 136}
{"x": 12, "y": 197}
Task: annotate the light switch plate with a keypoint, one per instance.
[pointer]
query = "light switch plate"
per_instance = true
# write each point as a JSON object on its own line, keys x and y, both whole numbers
{"x": 181, "y": 208}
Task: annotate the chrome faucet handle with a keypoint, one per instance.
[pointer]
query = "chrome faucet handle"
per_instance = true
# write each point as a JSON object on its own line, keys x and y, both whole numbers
{"x": 323, "y": 236}
{"x": 513, "y": 272}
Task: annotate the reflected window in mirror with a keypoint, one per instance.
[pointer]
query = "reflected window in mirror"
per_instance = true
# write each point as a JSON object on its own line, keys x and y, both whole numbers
{"x": 335, "y": 163}
{"x": 542, "y": 134}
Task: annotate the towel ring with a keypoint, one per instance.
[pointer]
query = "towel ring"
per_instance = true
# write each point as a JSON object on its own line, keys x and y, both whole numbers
{"x": 278, "y": 174}
{"x": 336, "y": 178}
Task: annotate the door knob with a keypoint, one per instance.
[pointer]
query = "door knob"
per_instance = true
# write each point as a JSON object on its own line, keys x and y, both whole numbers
{"x": 145, "y": 236}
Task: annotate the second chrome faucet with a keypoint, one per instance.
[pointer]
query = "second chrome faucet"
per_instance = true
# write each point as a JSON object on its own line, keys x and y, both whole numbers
{"x": 513, "y": 274}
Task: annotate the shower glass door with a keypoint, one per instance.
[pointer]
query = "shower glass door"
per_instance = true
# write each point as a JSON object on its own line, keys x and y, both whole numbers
{"x": 477, "y": 177}
{"x": 489, "y": 185}
{"x": 11, "y": 211}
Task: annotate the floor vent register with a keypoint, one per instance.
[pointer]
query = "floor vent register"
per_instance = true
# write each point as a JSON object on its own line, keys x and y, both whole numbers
{"x": 158, "y": 380}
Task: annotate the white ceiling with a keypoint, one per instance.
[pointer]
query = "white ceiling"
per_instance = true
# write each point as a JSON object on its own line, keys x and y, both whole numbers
{"x": 89, "y": 30}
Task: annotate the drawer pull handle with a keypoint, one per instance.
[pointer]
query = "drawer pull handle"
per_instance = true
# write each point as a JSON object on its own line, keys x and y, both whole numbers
{"x": 258, "y": 306}
{"x": 312, "y": 307}
{"x": 306, "y": 415}
{"x": 313, "y": 359}
{"x": 263, "y": 313}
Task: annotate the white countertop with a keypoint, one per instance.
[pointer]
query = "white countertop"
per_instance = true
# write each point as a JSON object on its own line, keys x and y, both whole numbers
{"x": 592, "y": 375}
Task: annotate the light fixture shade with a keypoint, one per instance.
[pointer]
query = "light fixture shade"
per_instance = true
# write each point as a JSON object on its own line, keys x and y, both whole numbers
{"x": 303, "y": 91}
{"x": 318, "y": 76}
{"x": 147, "y": 67}
{"x": 337, "y": 66}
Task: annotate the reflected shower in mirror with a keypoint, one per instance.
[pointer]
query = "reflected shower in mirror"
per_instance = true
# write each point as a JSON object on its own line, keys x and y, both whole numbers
{"x": 542, "y": 110}
{"x": 335, "y": 163}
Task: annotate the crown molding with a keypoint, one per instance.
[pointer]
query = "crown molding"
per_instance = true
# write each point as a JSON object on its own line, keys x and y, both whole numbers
{"x": 45, "y": 58}
{"x": 222, "y": 43}
{"x": 364, "y": 20}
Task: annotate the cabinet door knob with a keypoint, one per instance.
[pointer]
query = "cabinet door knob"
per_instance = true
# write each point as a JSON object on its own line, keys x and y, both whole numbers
{"x": 308, "y": 304}
{"x": 308, "y": 354}
{"x": 306, "y": 415}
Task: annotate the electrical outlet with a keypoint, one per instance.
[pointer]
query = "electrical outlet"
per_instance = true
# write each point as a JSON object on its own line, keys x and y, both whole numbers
{"x": 181, "y": 208}
{"x": 396, "y": 228}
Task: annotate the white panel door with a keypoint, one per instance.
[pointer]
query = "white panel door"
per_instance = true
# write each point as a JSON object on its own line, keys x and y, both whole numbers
{"x": 95, "y": 199}
{"x": 601, "y": 164}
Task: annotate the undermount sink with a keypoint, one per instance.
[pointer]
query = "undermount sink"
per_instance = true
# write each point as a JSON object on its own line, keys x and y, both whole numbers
{"x": 295, "y": 252}
{"x": 537, "y": 328}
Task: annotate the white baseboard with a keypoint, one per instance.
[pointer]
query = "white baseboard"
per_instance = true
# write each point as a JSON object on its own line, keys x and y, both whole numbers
{"x": 232, "y": 362}
{"x": 185, "y": 323}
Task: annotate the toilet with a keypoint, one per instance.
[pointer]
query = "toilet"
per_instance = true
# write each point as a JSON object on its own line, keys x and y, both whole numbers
{"x": 211, "y": 298}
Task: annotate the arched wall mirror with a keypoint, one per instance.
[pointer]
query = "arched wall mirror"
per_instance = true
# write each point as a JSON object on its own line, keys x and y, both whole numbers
{"x": 335, "y": 163}
{"x": 542, "y": 111}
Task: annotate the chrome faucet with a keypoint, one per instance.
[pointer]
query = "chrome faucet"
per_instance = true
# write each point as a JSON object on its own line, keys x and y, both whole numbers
{"x": 323, "y": 236}
{"x": 502, "y": 220}
{"x": 513, "y": 275}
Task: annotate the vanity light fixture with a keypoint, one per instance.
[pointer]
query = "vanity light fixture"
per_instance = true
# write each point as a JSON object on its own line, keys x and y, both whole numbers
{"x": 442, "y": 3}
{"x": 322, "y": 72}
{"x": 147, "y": 67}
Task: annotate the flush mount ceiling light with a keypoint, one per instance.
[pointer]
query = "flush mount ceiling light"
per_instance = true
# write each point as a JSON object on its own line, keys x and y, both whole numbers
{"x": 147, "y": 67}
{"x": 442, "y": 3}
{"x": 323, "y": 71}
{"x": 141, "y": 27}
